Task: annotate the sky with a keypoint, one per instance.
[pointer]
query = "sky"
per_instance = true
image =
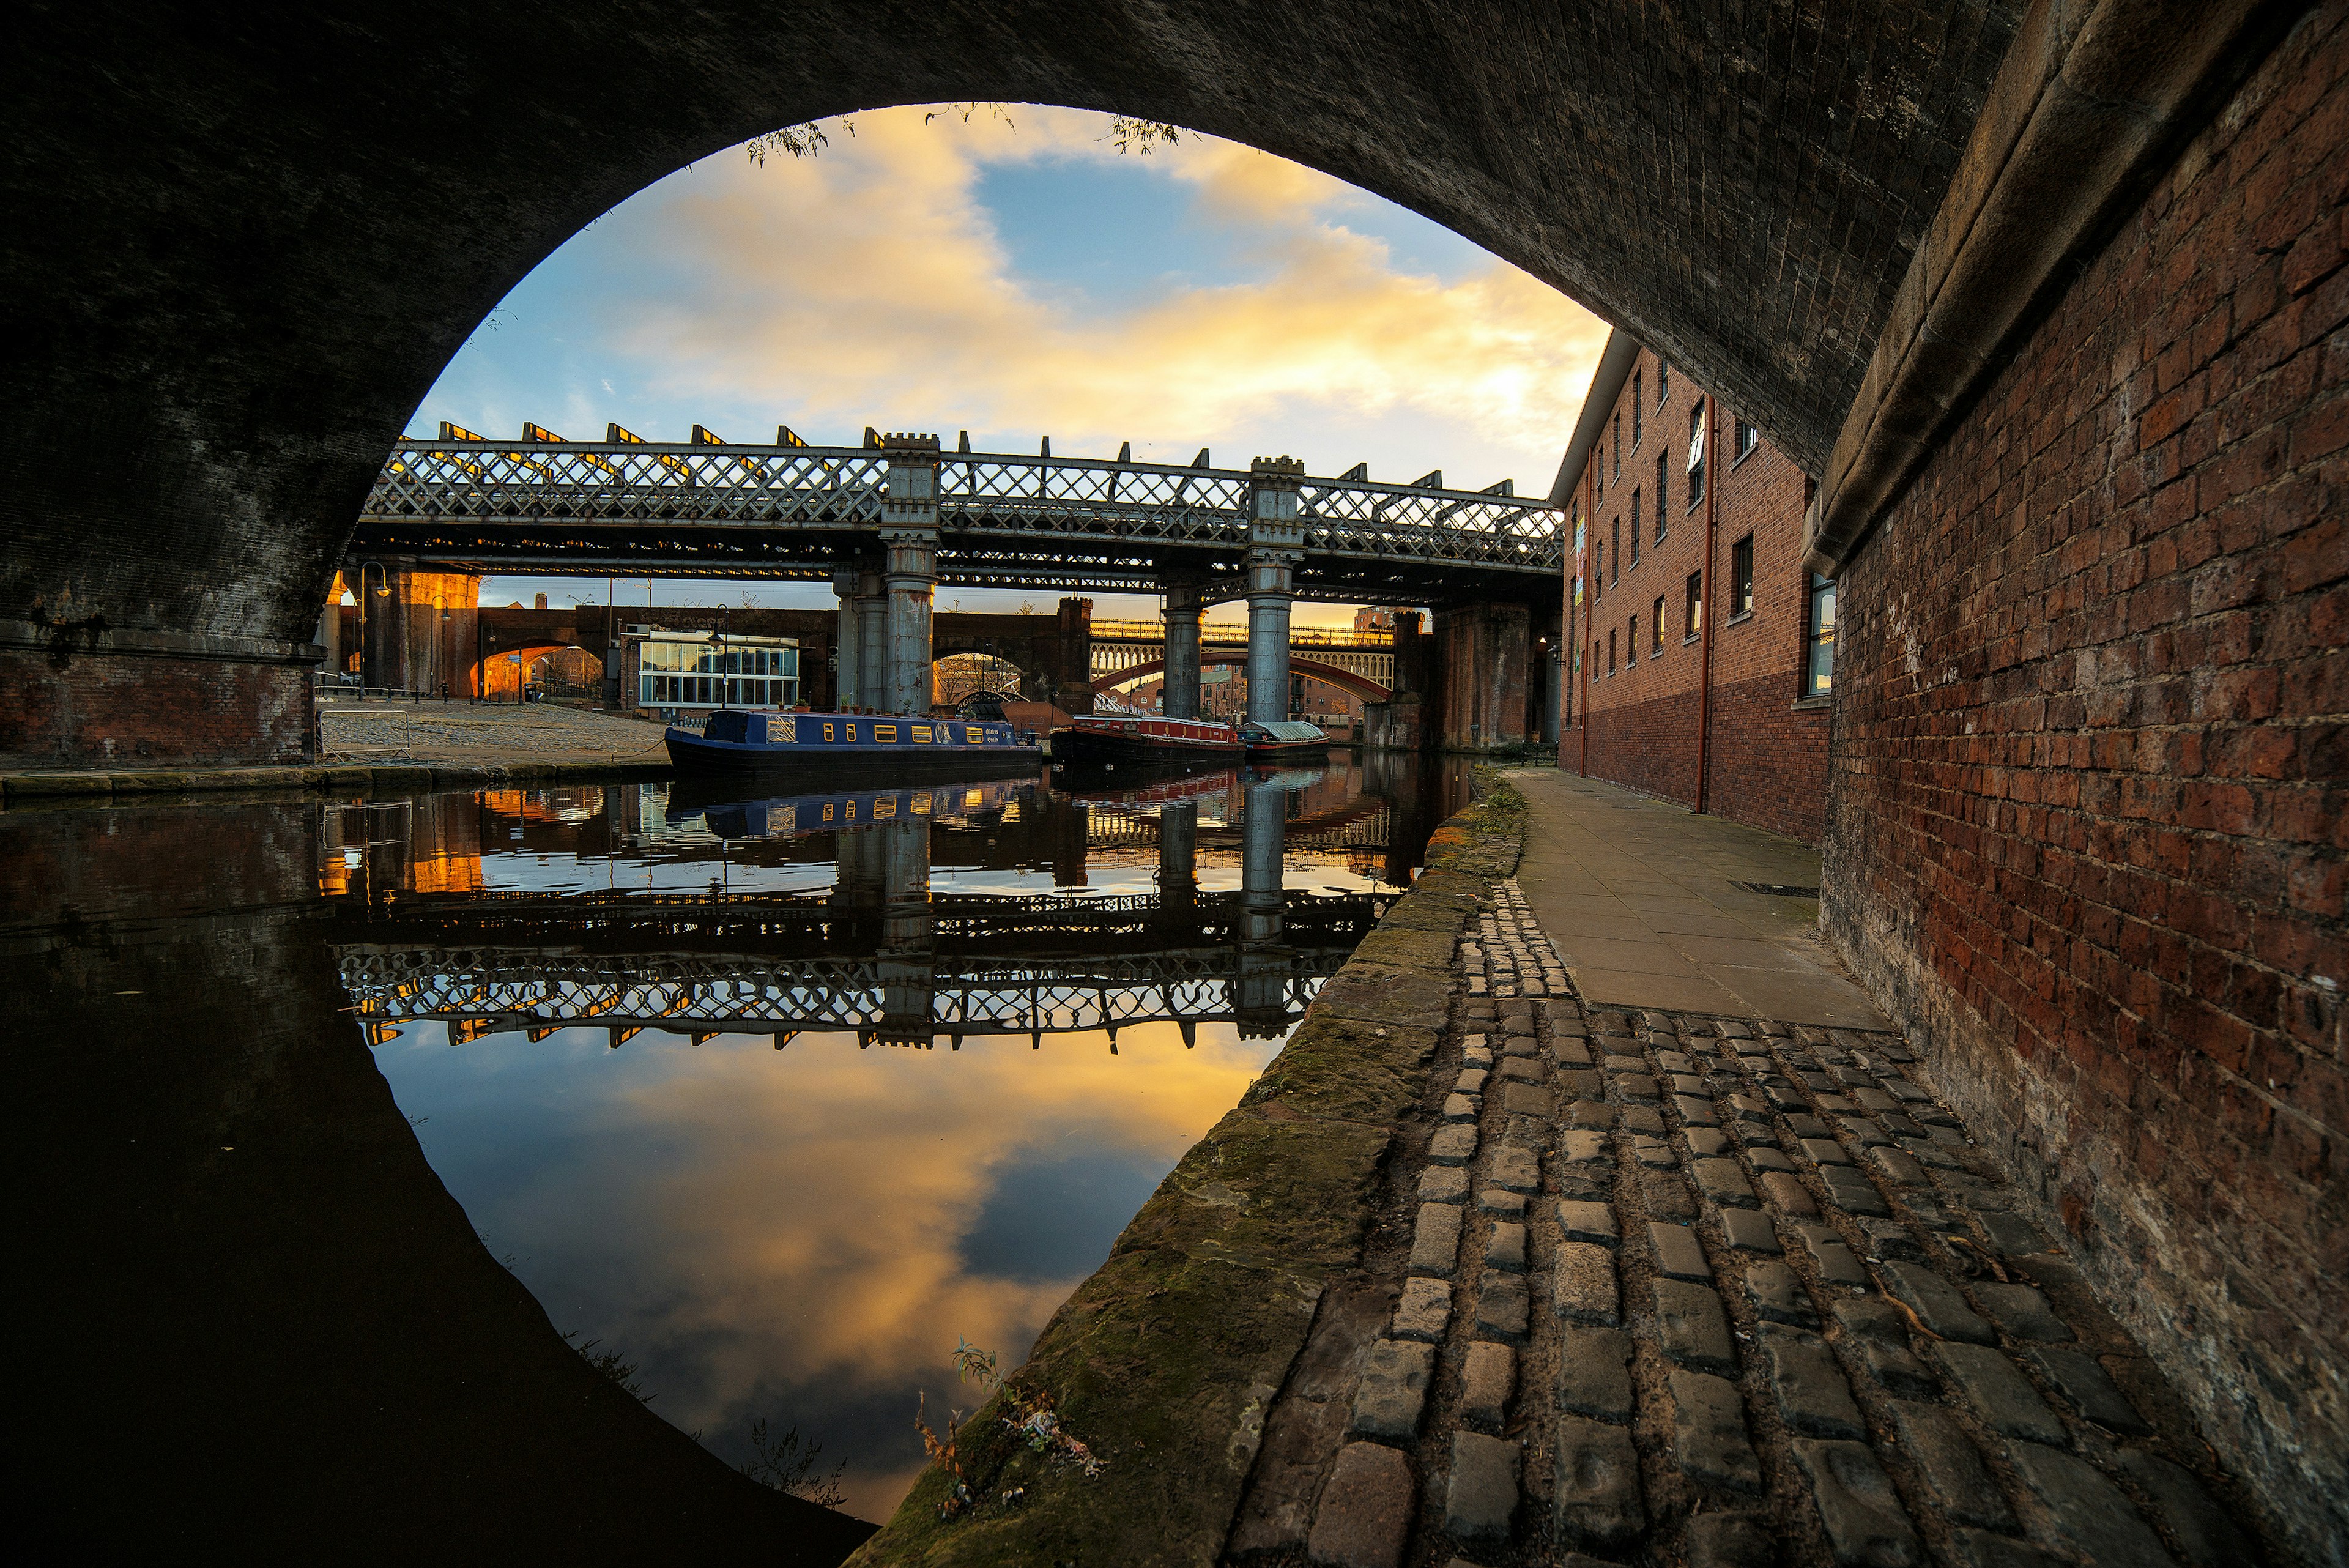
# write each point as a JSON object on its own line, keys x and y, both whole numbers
{"x": 1015, "y": 277}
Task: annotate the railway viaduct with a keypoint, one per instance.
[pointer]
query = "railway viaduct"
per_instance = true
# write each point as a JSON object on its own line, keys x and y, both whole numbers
{"x": 2048, "y": 296}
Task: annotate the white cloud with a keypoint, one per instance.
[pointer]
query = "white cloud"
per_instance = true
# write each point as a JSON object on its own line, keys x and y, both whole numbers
{"x": 869, "y": 284}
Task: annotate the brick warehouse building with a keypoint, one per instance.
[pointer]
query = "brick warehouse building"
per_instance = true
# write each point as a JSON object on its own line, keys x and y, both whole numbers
{"x": 1716, "y": 699}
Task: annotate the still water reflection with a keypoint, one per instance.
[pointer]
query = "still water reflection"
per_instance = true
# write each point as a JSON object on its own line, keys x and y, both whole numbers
{"x": 776, "y": 1097}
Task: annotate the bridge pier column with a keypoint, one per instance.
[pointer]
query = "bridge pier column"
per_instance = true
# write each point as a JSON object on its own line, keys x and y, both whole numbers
{"x": 1276, "y": 544}
{"x": 1260, "y": 999}
{"x": 908, "y": 960}
{"x": 872, "y": 645}
{"x": 1178, "y": 857}
{"x": 848, "y": 640}
{"x": 909, "y": 534}
{"x": 1181, "y": 684}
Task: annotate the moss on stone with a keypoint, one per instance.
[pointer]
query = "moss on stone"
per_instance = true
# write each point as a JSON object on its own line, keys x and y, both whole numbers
{"x": 1165, "y": 1361}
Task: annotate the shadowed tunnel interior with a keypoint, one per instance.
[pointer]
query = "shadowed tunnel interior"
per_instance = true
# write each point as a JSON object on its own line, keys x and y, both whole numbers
{"x": 317, "y": 1336}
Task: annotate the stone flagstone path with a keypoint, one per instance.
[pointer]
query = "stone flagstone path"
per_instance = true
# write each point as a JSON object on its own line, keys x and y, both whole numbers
{"x": 1661, "y": 1288}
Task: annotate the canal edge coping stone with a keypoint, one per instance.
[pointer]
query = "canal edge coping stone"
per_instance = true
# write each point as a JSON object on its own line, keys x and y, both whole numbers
{"x": 1165, "y": 1360}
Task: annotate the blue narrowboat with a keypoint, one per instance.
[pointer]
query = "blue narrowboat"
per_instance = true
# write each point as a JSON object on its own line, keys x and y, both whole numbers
{"x": 739, "y": 740}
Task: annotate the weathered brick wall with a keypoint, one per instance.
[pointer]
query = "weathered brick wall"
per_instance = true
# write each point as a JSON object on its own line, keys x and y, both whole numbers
{"x": 1768, "y": 765}
{"x": 117, "y": 711}
{"x": 2088, "y": 824}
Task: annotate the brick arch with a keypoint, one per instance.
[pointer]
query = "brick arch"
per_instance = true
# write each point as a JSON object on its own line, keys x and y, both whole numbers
{"x": 1346, "y": 680}
{"x": 478, "y": 675}
{"x": 237, "y": 393}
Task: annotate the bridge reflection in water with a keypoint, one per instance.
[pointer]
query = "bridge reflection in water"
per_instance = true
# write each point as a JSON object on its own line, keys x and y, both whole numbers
{"x": 880, "y": 952}
{"x": 331, "y": 1129}
{"x": 575, "y": 993}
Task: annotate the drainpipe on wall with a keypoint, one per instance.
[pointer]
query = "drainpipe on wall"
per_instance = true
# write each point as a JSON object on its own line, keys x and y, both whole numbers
{"x": 1590, "y": 522}
{"x": 1704, "y": 600}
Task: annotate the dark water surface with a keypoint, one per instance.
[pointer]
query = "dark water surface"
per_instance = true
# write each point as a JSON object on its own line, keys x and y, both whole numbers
{"x": 336, "y": 1117}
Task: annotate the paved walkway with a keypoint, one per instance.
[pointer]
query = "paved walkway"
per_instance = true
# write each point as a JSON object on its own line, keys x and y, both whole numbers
{"x": 1653, "y": 906}
{"x": 1669, "y": 1287}
{"x": 470, "y": 734}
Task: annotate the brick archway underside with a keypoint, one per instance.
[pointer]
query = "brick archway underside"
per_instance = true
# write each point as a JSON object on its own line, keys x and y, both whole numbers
{"x": 256, "y": 247}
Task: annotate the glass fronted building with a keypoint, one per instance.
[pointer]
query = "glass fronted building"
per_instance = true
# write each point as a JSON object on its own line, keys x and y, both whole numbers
{"x": 681, "y": 670}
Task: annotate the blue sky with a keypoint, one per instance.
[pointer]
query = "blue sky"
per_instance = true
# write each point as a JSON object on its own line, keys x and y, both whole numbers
{"x": 1019, "y": 278}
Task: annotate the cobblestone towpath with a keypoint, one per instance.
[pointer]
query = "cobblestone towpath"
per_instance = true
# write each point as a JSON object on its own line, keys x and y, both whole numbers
{"x": 1658, "y": 1287}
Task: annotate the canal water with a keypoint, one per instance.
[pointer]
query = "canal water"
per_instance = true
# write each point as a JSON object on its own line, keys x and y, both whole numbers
{"x": 766, "y": 1098}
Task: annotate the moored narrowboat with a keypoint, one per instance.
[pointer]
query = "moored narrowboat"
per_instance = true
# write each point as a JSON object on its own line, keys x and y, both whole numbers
{"x": 741, "y": 740}
{"x": 1104, "y": 738}
{"x": 1279, "y": 740}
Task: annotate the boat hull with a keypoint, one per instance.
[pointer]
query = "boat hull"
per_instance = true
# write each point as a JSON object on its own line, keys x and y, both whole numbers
{"x": 1162, "y": 743}
{"x": 860, "y": 743}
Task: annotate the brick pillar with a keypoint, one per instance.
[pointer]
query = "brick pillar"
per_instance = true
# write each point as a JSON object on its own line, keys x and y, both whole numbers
{"x": 1482, "y": 661}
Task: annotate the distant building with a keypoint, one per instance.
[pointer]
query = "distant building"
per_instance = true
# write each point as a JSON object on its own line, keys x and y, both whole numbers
{"x": 1655, "y": 463}
{"x": 680, "y": 673}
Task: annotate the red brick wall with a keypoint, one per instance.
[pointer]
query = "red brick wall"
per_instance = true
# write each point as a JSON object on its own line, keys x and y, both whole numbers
{"x": 2087, "y": 820}
{"x": 1767, "y": 759}
{"x": 116, "y": 711}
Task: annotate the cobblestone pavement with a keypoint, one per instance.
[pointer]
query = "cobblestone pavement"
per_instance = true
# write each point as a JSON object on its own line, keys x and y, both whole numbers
{"x": 466, "y": 733}
{"x": 1666, "y": 1288}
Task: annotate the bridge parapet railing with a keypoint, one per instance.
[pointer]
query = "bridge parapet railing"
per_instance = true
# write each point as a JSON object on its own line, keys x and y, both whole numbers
{"x": 995, "y": 494}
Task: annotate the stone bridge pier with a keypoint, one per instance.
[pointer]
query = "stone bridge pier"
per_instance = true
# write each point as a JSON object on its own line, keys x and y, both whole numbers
{"x": 1482, "y": 695}
{"x": 417, "y": 626}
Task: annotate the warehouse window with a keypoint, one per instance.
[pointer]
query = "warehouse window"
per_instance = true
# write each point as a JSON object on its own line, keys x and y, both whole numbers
{"x": 1696, "y": 456}
{"x": 1741, "y": 577}
{"x": 1819, "y": 635}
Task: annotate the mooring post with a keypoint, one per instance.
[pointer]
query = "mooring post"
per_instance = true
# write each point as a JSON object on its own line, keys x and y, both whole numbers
{"x": 1276, "y": 544}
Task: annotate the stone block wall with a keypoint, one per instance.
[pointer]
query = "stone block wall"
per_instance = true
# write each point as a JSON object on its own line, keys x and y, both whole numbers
{"x": 2087, "y": 816}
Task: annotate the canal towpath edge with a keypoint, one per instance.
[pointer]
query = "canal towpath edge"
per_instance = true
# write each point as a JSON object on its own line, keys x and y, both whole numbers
{"x": 1165, "y": 1361}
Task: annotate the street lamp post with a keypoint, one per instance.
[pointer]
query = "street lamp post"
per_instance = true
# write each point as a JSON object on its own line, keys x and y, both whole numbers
{"x": 383, "y": 590}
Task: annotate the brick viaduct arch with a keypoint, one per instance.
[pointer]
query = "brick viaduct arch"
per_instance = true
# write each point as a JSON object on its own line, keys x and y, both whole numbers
{"x": 310, "y": 258}
{"x": 1369, "y": 691}
{"x": 2046, "y": 295}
